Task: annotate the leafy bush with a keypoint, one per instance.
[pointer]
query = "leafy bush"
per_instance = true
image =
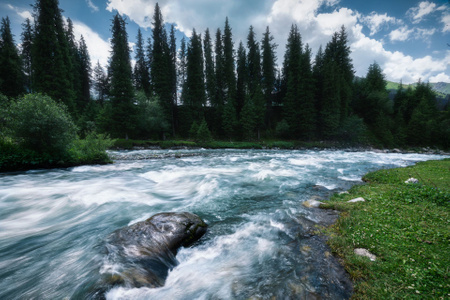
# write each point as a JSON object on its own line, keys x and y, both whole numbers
{"x": 41, "y": 124}
{"x": 203, "y": 133}
{"x": 282, "y": 130}
{"x": 92, "y": 149}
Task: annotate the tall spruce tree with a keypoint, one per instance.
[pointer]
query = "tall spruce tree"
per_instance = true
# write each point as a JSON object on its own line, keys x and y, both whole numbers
{"x": 194, "y": 90}
{"x": 27, "y": 42}
{"x": 85, "y": 69}
{"x": 141, "y": 74}
{"x": 268, "y": 69}
{"x": 172, "y": 57}
{"x": 75, "y": 67}
{"x": 120, "y": 74}
{"x": 254, "y": 80}
{"x": 182, "y": 53}
{"x": 11, "y": 75}
{"x": 293, "y": 80}
{"x": 210, "y": 79}
{"x": 100, "y": 83}
{"x": 338, "y": 77}
{"x": 50, "y": 52}
{"x": 228, "y": 62}
{"x": 161, "y": 69}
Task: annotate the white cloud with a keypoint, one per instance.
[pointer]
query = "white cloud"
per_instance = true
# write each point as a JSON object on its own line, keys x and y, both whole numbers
{"x": 92, "y": 6}
{"x": 441, "y": 77}
{"x": 419, "y": 12}
{"x": 23, "y": 13}
{"x": 376, "y": 21}
{"x": 401, "y": 34}
{"x": 446, "y": 21}
{"x": 98, "y": 47}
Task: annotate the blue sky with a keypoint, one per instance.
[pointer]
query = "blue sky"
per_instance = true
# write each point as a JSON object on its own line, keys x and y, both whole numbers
{"x": 408, "y": 38}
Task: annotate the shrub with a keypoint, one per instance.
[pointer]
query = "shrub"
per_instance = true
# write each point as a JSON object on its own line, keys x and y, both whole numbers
{"x": 42, "y": 125}
{"x": 282, "y": 129}
{"x": 92, "y": 149}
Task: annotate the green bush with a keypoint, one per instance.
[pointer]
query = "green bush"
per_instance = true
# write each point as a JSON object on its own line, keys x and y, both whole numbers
{"x": 92, "y": 149}
{"x": 40, "y": 124}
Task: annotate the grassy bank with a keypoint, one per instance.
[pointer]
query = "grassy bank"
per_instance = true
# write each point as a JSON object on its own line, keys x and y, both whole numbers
{"x": 407, "y": 226}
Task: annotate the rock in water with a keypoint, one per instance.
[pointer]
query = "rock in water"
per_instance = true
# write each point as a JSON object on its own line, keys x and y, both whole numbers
{"x": 145, "y": 251}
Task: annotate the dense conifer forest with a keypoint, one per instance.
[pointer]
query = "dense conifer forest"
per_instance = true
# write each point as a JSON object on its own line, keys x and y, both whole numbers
{"x": 210, "y": 87}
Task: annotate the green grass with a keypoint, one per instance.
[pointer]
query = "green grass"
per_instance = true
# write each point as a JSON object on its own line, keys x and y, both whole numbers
{"x": 407, "y": 226}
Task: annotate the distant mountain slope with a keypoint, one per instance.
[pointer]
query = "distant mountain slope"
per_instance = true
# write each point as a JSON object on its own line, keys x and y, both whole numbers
{"x": 442, "y": 90}
{"x": 439, "y": 87}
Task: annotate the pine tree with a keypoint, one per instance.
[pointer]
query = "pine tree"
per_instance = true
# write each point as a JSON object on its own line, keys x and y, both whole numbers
{"x": 318, "y": 77}
{"x": 210, "y": 80}
{"x": 268, "y": 70}
{"x": 85, "y": 72}
{"x": 160, "y": 69}
{"x": 292, "y": 78}
{"x": 254, "y": 80}
{"x": 120, "y": 74}
{"x": 141, "y": 74}
{"x": 242, "y": 77}
{"x": 100, "y": 83}
{"x": 172, "y": 57}
{"x": 27, "y": 42}
{"x": 218, "y": 101}
{"x": 50, "y": 54}
{"x": 338, "y": 77}
{"x": 194, "y": 90}
{"x": 75, "y": 67}
{"x": 228, "y": 62}
{"x": 182, "y": 53}
{"x": 11, "y": 75}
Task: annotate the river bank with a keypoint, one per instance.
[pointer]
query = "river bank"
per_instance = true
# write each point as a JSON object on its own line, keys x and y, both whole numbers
{"x": 404, "y": 225}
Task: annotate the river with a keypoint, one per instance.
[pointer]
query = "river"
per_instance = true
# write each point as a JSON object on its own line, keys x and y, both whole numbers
{"x": 259, "y": 245}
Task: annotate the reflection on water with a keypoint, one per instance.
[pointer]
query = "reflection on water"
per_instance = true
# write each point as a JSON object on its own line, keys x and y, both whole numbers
{"x": 54, "y": 223}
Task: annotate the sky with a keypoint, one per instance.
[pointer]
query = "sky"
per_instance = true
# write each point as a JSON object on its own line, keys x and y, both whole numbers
{"x": 409, "y": 39}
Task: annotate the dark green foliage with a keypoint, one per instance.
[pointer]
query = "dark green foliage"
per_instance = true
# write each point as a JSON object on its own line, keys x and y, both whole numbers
{"x": 230, "y": 121}
{"x": 210, "y": 79}
{"x": 229, "y": 78}
{"x": 27, "y": 42}
{"x": 194, "y": 89}
{"x": 51, "y": 63}
{"x": 282, "y": 130}
{"x": 11, "y": 75}
{"x": 150, "y": 123}
{"x": 299, "y": 107}
{"x": 90, "y": 150}
{"x": 85, "y": 71}
{"x": 268, "y": 69}
{"x": 374, "y": 106}
{"x": 141, "y": 73}
{"x": 100, "y": 83}
{"x": 203, "y": 133}
{"x": 337, "y": 76}
{"x": 121, "y": 90}
{"x": 42, "y": 125}
{"x": 161, "y": 66}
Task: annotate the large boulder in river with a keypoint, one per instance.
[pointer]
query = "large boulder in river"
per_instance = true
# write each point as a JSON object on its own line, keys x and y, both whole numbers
{"x": 143, "y": 253}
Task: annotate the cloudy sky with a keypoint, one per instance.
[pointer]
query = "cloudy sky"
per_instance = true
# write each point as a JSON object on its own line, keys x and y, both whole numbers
{"x": 410, "y": 39}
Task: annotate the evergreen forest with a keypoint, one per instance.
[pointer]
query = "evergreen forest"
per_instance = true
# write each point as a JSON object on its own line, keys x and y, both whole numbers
{"x": 210, "y": 86}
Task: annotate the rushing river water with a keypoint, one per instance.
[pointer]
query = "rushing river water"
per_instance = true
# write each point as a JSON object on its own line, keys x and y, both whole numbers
{"x": 54, "y": 223}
